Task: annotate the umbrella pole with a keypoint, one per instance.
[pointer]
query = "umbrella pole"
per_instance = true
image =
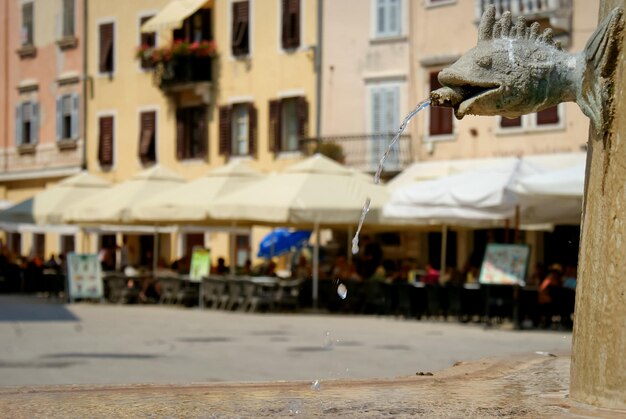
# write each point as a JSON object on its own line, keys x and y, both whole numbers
{"x": 233, "y": 237}
{"x": 316, "y": 264}
{"x": 444, "y": 246}
{"x": 155, "y": 250}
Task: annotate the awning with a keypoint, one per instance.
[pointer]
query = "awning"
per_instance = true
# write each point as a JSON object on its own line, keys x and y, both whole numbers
{"x": 172, "y": 15}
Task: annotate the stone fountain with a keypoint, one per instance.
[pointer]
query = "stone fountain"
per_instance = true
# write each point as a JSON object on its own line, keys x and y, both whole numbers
{"x": 515, "y": 70}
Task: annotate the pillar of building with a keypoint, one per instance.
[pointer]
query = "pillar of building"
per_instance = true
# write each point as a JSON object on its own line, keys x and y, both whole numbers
{"x": 598, "y": 371}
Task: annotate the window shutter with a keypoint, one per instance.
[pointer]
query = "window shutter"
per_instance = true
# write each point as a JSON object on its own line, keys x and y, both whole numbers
{"x": 252, "y": 140}
{"x": 75, "y": 116}
{"x": 59, "y": 118}
{"x": 207, "y": 32}
{"x": 147, "y": 131}
{"x": 275, "y": 125}
{"x": 303, "y": 118}
{"x": 440, "y": 118}
{"x": 68, "y": 17}
{"x": 290, "y": 24}
{"x": 19, "y": 121}
{"x": 377, "y": 111}
{"x": 203, "y": 133}
{"x": 105, "y": 150}
{"x": 548, "y": 116}
{"x": 225, "y": 140}
{"x": 180, "y": 134}
{"x": 34, "y": 123}
{"x": 106, "y": 48}
{"x": 27, "y": 23}
{"x": 240, "y": 34}
{"x": 510, "y": 123}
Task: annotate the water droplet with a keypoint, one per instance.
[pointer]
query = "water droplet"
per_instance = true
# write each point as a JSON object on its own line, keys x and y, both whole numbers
{"x": 315, "y": 385}
{"x": 355, "y": 246}
{"x": 328, "y": 342}
{"x": 342, "y": 291}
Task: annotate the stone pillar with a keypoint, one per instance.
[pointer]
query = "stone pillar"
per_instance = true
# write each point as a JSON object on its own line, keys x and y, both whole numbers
{"x": 598, "y": 371}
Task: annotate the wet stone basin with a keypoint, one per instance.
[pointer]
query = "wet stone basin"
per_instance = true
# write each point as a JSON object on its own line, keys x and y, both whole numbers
{"x": 530, "y": 387}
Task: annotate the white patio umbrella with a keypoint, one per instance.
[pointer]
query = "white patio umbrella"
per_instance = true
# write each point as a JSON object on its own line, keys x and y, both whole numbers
{"x": 115, "y": 205}
{"x": 314, "y": 192}
{"x": 48, "y": 206}
{"x": 190, "y": 202}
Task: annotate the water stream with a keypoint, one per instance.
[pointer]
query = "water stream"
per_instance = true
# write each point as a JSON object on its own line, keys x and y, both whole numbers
{"x": 366, "y": 207}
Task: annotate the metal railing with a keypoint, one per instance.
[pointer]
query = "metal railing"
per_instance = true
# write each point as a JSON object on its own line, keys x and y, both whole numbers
{"x": 184, "y": 70}
{"x": 362, "y": 152}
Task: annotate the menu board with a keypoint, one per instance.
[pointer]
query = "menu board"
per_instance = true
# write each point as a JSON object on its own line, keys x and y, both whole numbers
{"x": 505, "y": 264}
{"x": 84, "y": 276}
{"x": 200, "y": 264}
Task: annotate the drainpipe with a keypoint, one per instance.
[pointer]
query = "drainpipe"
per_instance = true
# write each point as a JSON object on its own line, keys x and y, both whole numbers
{"x": 318, "y": 68}
{"x": 85, "y": 81}
{"x": 7, "y": 111}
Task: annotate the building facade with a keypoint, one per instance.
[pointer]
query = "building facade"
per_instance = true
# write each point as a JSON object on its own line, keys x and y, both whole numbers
{"x": 42, "y": 109}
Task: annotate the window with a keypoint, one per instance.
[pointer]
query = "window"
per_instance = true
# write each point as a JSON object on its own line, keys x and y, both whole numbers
{"x": 440, "y": 121}
{"x": 107, "y": 48}
{"x": 146, "y": 40}
{"x": 39, "y": 245}
{"x": 67, "y": 117}
{"x": 547, "y": 118}
{"x": 241, "y": 28}
{"x": 385, "y": 119}
{"x": 238, "y": 129}
{"x": 388, "y": 17}
{"x": 191, "y": 133}
{"x": 242, "y": 249}
{"x": 68, "y": 18}
{"x": 193, "y": 240}
{"x": 290, "y": 35}
{"x": 67, "y": 244}
{"x": 147, "y": 137}
{"x": 288, "y": 123}
{"x": 196, "y": 27}
{"x": 106, "y": 140}
{"x": 27, "y": 123}
{"x": 27, "y": 36}
{"x": 15, "y": 243}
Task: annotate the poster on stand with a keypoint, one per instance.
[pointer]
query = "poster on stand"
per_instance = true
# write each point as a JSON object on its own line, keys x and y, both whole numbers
{"x": 200, "y": 264}
{"x": 505, "y": 264}
{"x": 84, "y": 276}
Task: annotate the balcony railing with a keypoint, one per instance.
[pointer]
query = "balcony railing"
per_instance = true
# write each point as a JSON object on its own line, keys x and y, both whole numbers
{"x": 363, "y": 152}
{"x": 185, "y": 70}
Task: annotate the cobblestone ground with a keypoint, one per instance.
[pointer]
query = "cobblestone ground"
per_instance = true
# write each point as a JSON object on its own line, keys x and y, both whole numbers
{"x": 45, "y": 343}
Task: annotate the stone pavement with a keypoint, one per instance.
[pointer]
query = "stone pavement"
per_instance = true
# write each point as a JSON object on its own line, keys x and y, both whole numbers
{"x": 44, "y": 343}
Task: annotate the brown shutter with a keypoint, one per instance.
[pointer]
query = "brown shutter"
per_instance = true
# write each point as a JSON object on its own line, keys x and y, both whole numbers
{"x": 207, "y": 32}
{"x": 180, "y": 134}
{"x": 291, "y": 24}
{"x": 202, "y": 132}
{"x": 105, "y": 149}
{"x": 252, "y": 140}
{"x": 509, "y": 123}
{"x": 147, "y": 136}
{"x": 27, "y": 23}
{"x": 275, "y": 125}
{"x": 548, "y": 116}
{"x": 68, "y": 17}
{"x": 225, "y": 117}
{"x": 106, "y": 48}
{"x": 303, "y": 117}
{"x": 241, "y": 12}
{"x": 440, "y": 118}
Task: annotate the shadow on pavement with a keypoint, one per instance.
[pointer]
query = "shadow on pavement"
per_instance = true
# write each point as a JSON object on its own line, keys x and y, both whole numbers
{"x": 32, "y": 309}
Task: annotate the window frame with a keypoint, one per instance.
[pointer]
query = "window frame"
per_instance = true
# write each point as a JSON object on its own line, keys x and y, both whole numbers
{"x": 529, "y": 124}
{"x": 25, "y": 43}
{"x": 184, "y": 156}
{"x": 301, "y": 32}
{"x": 73, "y": 19}
{"x": 33, "y": 127}
{"x": 232, "y": 56}
{"x": 140, "y": 112}
{"x": 387, "y": 34}
{"x": 140, "y": 16}
{"x": 104, "y": 114}
{"x": 375, "y": 150}
{"x": 233, "y": 124}
{"x": 74, "y": 116}
{"x": 113, "y": 71}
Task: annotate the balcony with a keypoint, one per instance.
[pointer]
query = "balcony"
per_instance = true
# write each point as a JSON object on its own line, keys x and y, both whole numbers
{"x": 556, "y": 14}
{"x": 363, "y": 152}
{"x": 184, "y": 71}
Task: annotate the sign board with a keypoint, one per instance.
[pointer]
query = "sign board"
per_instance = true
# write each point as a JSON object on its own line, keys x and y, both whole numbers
{"x": 200, "y": 264}
{"x": 84, "y": 276}
{"x": 505, "y": 264}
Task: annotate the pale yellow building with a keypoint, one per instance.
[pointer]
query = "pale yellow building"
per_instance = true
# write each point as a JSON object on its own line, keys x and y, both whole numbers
{"x": 190, "y": 108}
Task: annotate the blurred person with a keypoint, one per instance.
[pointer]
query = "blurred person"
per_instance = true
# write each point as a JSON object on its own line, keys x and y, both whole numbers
{"x": 246, "y": 269}
{"x": 302, "y": 269}
{"x": 220, "y": 268}
{"x": 431, "y": 276}
{"x": 547, "y": 295}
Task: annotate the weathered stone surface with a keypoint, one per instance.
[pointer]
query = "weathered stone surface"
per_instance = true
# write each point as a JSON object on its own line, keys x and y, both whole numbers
{"x": 514, "y": 387}
{"x": 599, "y": 344}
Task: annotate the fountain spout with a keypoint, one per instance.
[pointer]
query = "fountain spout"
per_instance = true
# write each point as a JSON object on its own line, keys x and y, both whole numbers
{"x": 515, "y": 70}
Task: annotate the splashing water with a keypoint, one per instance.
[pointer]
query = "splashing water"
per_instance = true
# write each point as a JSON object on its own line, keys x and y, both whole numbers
{"x": 342, "y": 291}
{"x": 315, "y": 385}
{"x": 366, "y": 207}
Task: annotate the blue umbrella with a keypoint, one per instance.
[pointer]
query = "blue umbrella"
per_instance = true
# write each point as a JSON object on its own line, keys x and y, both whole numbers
{"x": 281, "y": 240}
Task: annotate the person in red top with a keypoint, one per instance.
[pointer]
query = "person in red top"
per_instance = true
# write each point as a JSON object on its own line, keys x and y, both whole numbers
{"x": 431, "y": 277}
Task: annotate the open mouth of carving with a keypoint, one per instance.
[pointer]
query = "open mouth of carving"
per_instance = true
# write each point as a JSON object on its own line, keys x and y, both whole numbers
{"x": 461, "y": 96}
{"x": 473, "y": 93}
